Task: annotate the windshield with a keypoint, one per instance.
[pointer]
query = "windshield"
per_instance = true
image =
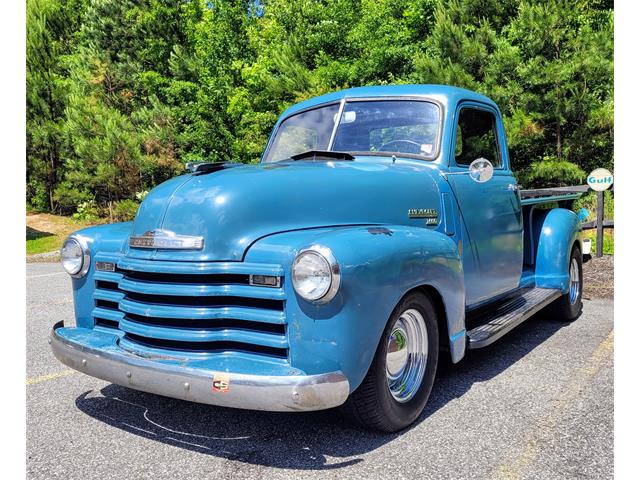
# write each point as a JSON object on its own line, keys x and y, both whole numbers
{"x": 382, "y": 127}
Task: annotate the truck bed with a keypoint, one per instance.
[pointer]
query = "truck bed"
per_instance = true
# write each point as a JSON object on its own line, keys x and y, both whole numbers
{"x": 556, "y": 194}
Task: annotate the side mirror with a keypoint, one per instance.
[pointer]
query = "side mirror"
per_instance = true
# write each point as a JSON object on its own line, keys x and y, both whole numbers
{"x": 481, "y": 170}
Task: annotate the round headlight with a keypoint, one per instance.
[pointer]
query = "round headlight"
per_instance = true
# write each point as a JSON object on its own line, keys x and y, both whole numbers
{"x": 75, "y": 258}
{"x": 316, "y": 274}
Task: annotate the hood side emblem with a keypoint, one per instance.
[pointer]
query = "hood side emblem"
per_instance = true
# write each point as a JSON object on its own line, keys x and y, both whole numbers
{"x": 430, "y": 214}
{"x": 159, "y": 238}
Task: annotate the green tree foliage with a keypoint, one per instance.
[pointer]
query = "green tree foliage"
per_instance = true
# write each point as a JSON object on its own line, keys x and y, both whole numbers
{"x": 51, "y": 25}
{"x": 548, "y": 64}
{"x": 552, "y": 171}
{"x": 121, "y": 93}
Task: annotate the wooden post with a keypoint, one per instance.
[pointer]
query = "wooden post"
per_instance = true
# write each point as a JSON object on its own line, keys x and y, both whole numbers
{"x": 599, "y": 224}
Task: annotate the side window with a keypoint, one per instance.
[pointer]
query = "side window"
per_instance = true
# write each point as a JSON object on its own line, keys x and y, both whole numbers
{"x": 476, "y": 137}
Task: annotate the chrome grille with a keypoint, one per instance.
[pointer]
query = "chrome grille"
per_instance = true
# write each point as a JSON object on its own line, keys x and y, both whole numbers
{"x": 205, "y": 308}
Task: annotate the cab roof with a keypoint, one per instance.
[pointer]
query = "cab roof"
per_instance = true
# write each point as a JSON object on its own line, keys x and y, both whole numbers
{"x": 445, "y": 94}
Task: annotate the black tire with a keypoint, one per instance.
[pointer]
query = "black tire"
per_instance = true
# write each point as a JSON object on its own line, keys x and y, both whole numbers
{"x": 563, "y": 309}
{"x": 372, "y": 405}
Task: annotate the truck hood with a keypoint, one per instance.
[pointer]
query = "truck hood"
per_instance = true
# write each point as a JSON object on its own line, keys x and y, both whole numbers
{"x": 233, "y": 208}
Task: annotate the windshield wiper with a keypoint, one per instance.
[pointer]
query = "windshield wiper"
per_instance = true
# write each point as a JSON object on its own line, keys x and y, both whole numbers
{"x": 322, "y": 155}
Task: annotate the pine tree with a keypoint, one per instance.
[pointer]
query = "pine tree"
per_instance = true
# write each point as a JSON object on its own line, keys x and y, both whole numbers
{"x": 50, "y": 27}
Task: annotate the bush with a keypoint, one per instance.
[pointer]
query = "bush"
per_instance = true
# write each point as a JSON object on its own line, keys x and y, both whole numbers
{"x": 37, "y": 199}
{"x": 589, "y": 201}
{"x": 87, "y": 211}
{"x": 70, "y": 198}
{"x": 141, "y": 195}
{"x": 551, "y": 172}
{"x": 125, "y": 210}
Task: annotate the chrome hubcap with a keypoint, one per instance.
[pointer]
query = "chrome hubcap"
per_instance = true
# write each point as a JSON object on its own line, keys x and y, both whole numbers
{"x": 574, "y": 281}
{"x": 407, "y": 349}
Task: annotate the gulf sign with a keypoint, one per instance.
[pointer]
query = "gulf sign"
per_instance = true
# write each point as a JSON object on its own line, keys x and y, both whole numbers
{"x": 600, "y": 179}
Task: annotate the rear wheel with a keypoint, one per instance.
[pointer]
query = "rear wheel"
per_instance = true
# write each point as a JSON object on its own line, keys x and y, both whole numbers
{"x": 399, "y": 381}
{"x": 569, "y": 307}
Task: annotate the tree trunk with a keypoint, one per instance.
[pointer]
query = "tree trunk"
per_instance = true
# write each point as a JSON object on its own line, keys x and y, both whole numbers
{"x": 558, "y": 140}
{"x": 558, "y": 111}
{"x": 51, "y": 178}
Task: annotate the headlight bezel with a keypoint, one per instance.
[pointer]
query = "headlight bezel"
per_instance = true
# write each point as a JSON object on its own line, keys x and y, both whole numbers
{"x": 334, "y": 271}
{"x": 86, "y": 257}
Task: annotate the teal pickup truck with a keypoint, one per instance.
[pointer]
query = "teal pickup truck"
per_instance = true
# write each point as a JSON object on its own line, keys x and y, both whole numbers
{"x": 382, "y": 229}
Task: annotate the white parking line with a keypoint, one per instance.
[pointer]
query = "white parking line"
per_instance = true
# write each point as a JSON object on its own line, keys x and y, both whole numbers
{"x": 45, "y": 275}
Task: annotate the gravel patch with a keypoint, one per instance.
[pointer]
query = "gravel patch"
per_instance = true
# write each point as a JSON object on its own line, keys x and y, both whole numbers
{"x": 44, "y": 257}
{"x": 598, "y": 278}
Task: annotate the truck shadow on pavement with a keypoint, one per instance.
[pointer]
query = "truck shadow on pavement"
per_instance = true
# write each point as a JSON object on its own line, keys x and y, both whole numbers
{"x": 308, "y": 441}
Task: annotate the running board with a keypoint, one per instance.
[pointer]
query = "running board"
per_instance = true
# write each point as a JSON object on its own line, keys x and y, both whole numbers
{"x": 509, "y": 315}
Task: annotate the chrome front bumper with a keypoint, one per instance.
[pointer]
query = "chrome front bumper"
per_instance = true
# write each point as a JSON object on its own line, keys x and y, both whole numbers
{"x": 253, "y": 392}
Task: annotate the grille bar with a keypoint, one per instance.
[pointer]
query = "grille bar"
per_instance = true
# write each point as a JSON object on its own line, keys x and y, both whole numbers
{"x": 240, "y": 313}
{"x": 108, "y": 295}
{"x": 242, "y": 268}
{"x": 203, "y": 335}
{"x": 107, "y": 313}
{"x": 187, "y": 290}
{"x": 113, "y": 277}
{"x": 207, "y": 323}
{"x": 205, "y": 347}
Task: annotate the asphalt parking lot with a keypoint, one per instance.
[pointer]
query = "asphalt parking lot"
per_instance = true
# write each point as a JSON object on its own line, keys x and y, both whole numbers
{"x": 537, "y": 404}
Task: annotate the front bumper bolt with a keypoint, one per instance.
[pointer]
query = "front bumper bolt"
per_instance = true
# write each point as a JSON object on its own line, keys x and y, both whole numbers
{"x": 84, "y": 362}
{"x": 187, "y": 386}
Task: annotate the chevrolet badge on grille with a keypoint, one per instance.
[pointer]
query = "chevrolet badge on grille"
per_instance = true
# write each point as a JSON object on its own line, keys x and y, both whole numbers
{"x": 158, "y": 238}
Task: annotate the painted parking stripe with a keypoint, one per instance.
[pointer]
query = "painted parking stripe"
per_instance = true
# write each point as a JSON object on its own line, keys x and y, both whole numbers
{"x": 515, "y": 467}
{"x": 45, "y": 275}
{"x": 51, "y": 376}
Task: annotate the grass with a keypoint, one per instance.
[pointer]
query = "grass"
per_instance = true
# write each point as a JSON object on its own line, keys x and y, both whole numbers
{"x": 607, "y": 241}
{"x": 588, "y": 201}
{"x": 46, "y": 232}
{"x": 44, "y": 244}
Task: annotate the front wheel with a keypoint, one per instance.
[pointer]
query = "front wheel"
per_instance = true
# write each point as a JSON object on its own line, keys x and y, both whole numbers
{"x": 569, "y": 306}
{"x": 399, "y": 381}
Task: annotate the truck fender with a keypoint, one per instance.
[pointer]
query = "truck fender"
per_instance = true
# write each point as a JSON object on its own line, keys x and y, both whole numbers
{"x": 379, "y": 265}
{"x": 556, "y": 231}
{"x": 100, "y": 238}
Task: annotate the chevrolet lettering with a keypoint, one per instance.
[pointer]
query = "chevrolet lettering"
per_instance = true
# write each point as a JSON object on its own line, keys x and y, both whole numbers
{"x": 165, "y": 239}
{"x": 382, "y": 231}
{"x": 423, "y": 213}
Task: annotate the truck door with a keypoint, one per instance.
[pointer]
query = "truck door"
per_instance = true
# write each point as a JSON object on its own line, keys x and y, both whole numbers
{"x": 491, "y": 211}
